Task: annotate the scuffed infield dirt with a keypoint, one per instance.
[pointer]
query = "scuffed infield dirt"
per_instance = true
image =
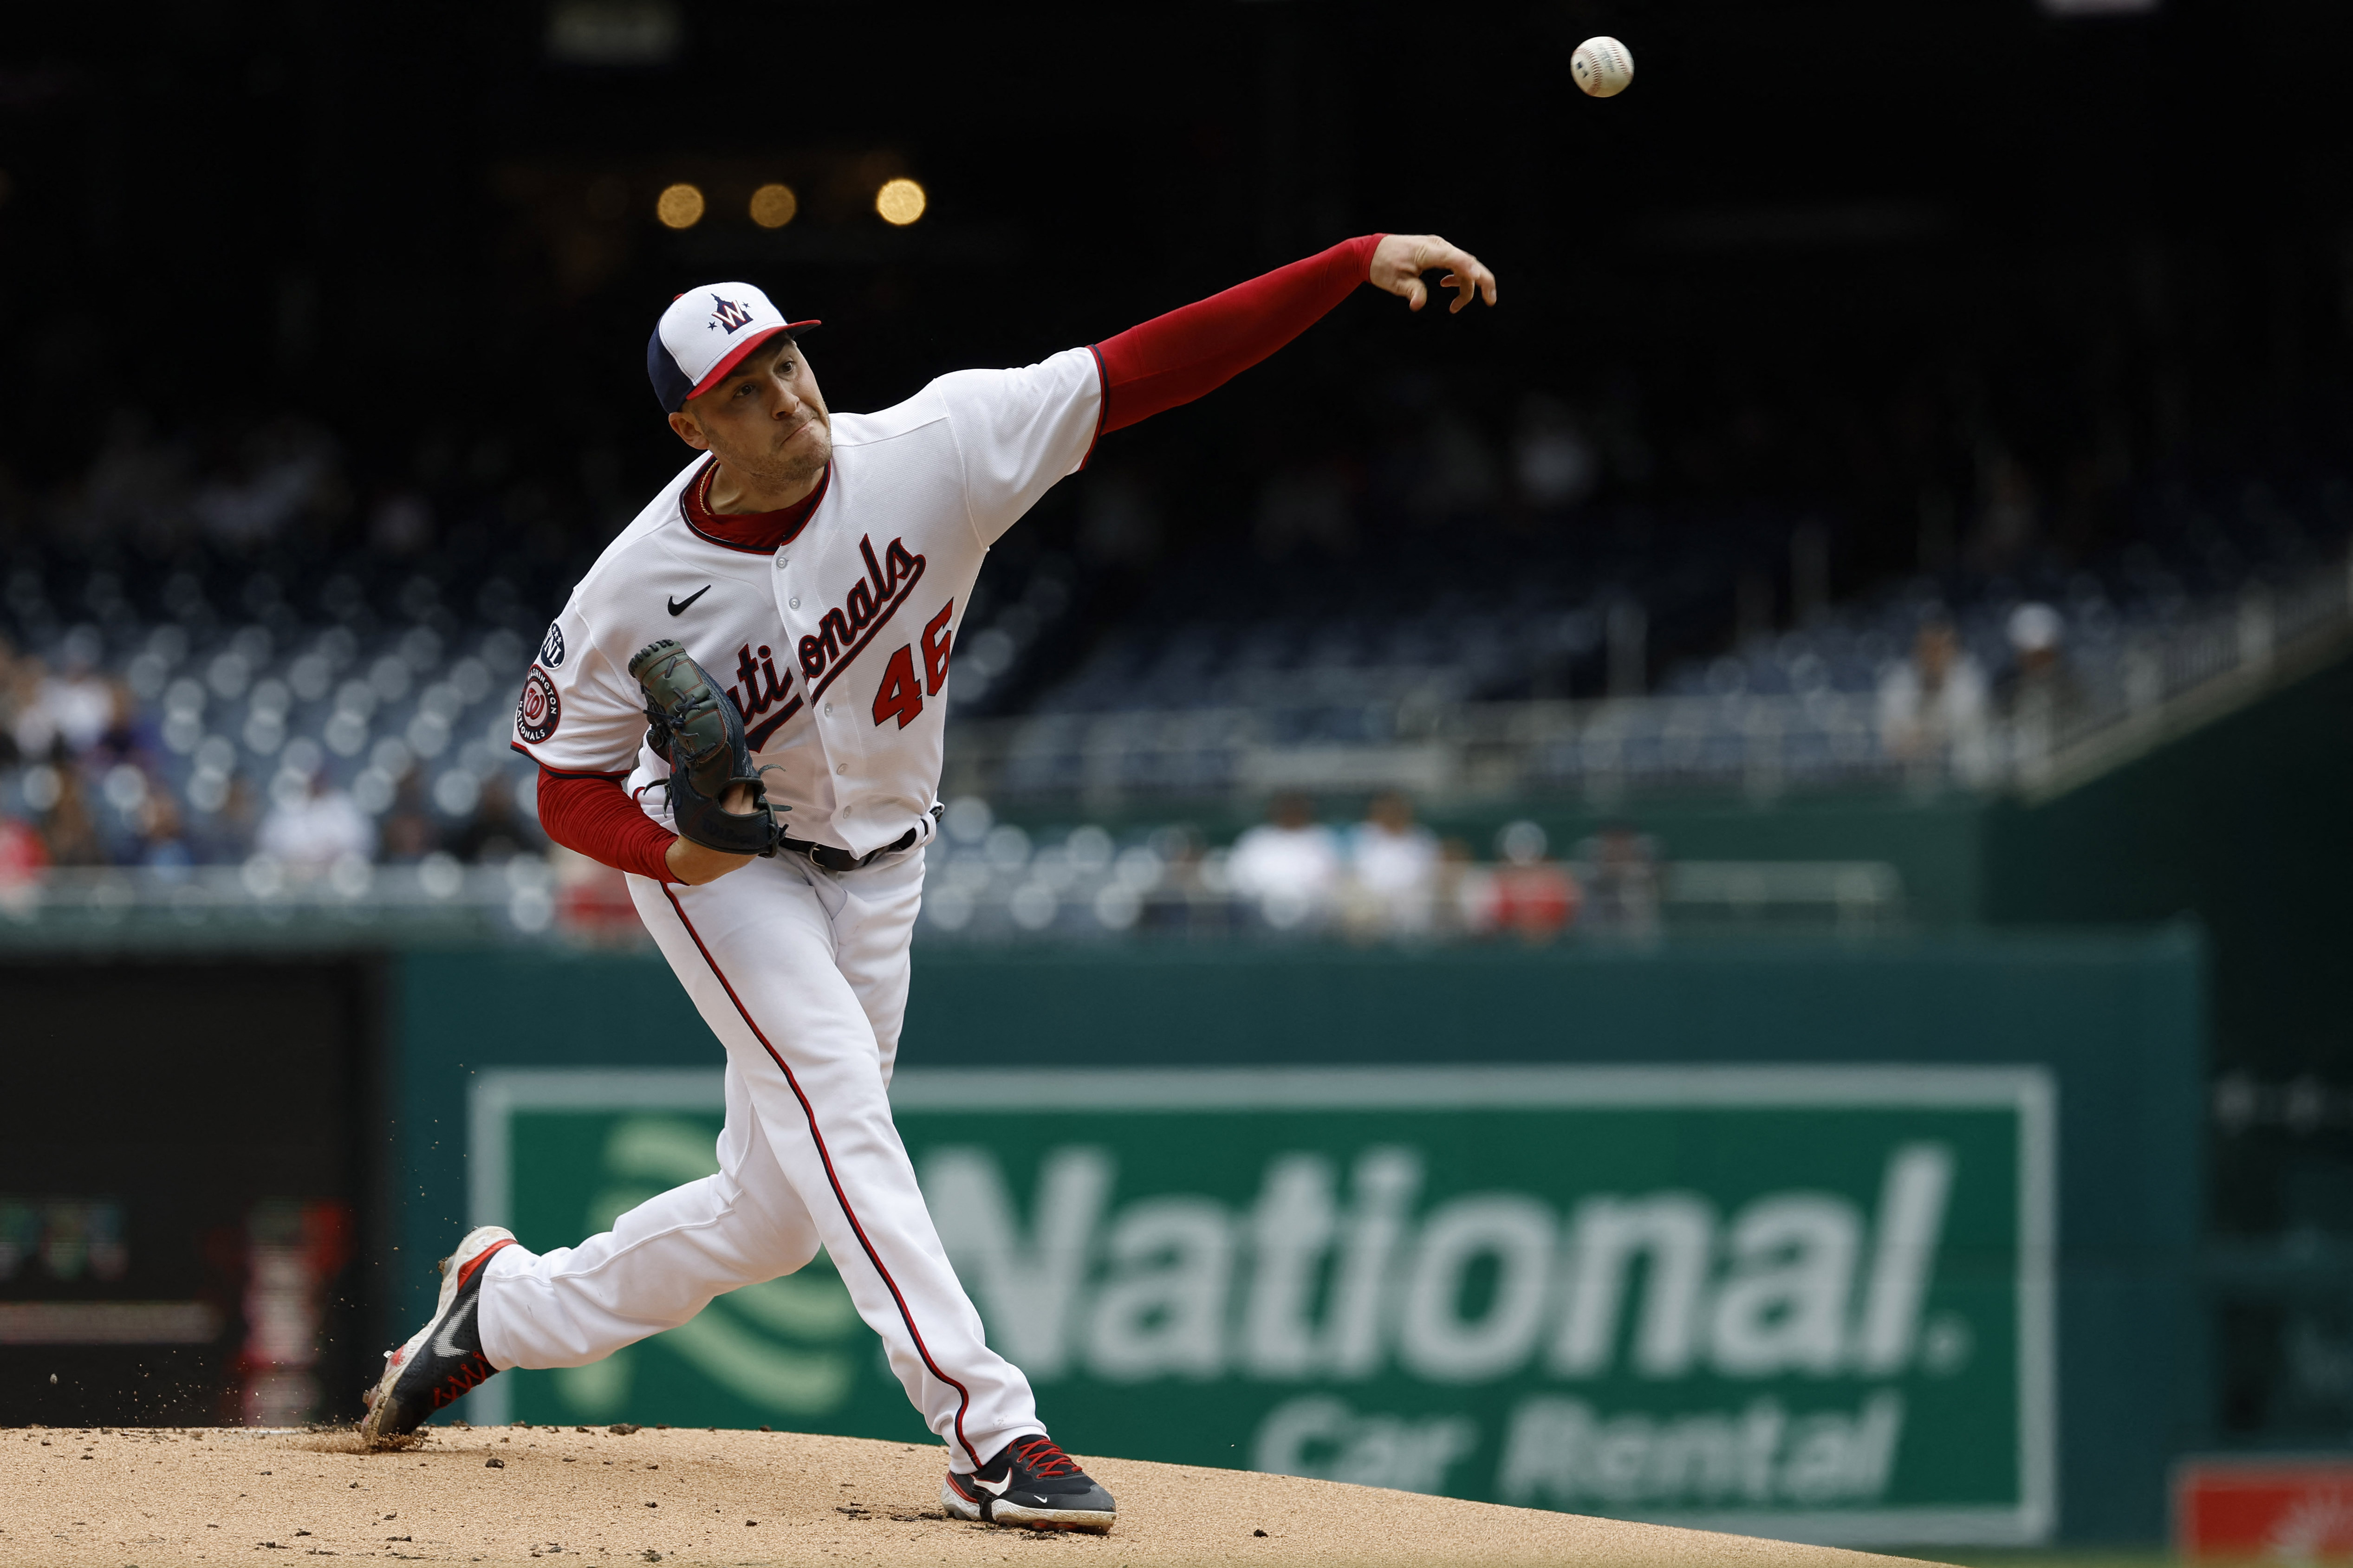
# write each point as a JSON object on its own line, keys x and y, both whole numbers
{"x": 513, "y": 1494}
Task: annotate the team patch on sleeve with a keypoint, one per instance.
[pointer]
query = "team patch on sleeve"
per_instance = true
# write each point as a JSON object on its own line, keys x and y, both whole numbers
{"x": 538, "y": 709}
{"x": 551, "y": 648}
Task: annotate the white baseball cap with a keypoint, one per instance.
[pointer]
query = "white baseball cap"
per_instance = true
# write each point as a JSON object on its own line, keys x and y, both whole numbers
{"x": 705, "y": 334}
{"x": 2035, "y": 628}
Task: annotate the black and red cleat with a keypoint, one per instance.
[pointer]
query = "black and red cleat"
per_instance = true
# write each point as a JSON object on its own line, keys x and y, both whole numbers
{"x": 445, "y": 1358}
{"x": 1030, "y": 1485}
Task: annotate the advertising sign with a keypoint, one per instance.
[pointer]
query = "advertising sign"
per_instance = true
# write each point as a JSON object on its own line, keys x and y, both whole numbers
{"x": 2282, "y": 1508}
{"x": 1809, "y": 1302}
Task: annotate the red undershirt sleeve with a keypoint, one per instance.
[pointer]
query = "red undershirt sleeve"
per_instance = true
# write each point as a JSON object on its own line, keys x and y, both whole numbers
{"x": 595, "y": 817}
{"x": 1175, "y": 358}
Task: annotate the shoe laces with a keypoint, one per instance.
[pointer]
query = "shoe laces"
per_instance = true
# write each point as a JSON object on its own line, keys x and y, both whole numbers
{"x": 461, "y": 1378}
{"x": 1045, "y": 1457}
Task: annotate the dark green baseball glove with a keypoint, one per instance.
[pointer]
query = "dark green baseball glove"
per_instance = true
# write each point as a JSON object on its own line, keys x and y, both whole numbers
{"x": 692, "y": 725}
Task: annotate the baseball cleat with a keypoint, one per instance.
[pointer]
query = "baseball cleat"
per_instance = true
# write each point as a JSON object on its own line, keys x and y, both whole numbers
{"x": 445, "y": 1358}
{"x": 1030, "y": 1485}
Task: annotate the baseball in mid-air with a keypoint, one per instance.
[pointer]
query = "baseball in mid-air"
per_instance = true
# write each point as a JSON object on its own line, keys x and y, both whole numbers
{"x": 1602, "y": 67}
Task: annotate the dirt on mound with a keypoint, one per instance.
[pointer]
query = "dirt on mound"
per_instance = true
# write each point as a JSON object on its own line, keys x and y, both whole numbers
{"x": 511, "y": 1494}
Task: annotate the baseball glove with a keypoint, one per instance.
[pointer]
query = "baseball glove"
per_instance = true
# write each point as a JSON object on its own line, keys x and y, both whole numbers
{"x": 692, "y": 725}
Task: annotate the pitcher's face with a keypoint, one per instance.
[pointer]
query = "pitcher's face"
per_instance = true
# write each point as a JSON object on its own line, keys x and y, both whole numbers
{"x": 767, "y": 421}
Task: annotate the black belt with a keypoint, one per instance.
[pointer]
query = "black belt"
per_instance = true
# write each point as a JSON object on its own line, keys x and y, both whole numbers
{"x": 833, "y": 859}
{"x": 838, "y": 860}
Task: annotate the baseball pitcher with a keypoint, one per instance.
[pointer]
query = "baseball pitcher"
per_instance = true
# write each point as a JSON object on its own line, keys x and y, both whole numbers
{"x": 742, "y": 707}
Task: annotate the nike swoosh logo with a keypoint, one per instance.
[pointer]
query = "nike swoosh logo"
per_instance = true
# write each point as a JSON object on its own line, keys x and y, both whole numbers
{"x": 677, "y": 608}
{"x": 994, "y": 1489}
{"x": 444, "y": 1345}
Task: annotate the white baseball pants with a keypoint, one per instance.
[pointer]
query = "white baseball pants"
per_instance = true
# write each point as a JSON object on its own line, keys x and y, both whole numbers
{"x": 802, "y": 976}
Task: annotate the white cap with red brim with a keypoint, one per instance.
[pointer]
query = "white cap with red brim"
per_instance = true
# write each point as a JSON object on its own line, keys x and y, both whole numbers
{"x": 705, "y": 334}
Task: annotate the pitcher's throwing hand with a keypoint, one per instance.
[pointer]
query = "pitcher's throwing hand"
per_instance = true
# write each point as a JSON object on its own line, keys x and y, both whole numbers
{"x": 1400, "y": 260}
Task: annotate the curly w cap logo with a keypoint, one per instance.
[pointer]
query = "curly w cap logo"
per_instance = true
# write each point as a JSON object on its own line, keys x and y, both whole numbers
{"x": 729, "y": 314}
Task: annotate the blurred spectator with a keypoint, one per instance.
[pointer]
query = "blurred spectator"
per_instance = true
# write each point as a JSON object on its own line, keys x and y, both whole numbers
{"x": 1933, "y": 708}
{"x": 2045, "y": 694}
{"x": 162, "y": 840}
{"x": 23, "y": 859}
{"x": 129, "y": 736}
{"x": 408, "y": 833}
{"x": 1622, "y": 884}
{"x": 118, "y": 794}
{"x": 2035, "y": 631}
{"x": 1290, "y": 864}
{"x": 73, "y": 706}
{"x": 223, "y": 835}
{"x": 592, "y": 900}
{"x": 1465, "y": 892}
{"x": 1393, "y": 866}
{"x": 1198, "y": 878}
{"x": 1533, "y": 897}
{"x": 68, "y": 826}
{"x": 494, "y": 835}
{"x": 19, "y": 685}
{"x": 316, "y": 828}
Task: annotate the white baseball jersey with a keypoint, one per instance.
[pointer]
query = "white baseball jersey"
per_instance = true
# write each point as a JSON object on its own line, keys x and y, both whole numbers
{"x": 835, "y": 645}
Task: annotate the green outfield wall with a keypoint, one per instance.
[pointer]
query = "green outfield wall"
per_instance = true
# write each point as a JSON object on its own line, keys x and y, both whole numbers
{"x": 1887, "y": 1242}
{"x": 2244, "y": 824}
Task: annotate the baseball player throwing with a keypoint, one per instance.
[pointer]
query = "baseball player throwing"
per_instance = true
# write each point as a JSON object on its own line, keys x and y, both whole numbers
{"x": 742, "y": 707}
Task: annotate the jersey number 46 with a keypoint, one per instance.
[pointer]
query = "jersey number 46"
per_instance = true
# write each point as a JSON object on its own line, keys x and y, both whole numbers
{"x": 900, "y": 696}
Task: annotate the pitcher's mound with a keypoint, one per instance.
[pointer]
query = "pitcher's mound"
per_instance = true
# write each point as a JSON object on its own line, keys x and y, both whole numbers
{"x": 511, "y": 1494}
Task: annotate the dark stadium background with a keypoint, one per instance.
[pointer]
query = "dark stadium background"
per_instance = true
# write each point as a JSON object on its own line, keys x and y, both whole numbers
{"x": 1820, "y": 244}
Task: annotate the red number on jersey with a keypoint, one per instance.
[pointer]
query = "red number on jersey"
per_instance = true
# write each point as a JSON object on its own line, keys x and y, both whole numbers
{"x": 900, "y": 697}
{"x": 935, "y": 651}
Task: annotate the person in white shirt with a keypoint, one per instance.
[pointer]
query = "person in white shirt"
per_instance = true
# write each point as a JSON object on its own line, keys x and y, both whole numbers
{"x": 1392, "y": 861}
{"x": 75, "y": 705}
{"x": 313, "y": 831}
{"x": 1290, "y": 864}
{"x": 1933, "y": 707}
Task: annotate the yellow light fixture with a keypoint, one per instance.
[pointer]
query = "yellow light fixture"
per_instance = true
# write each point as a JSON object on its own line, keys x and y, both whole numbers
{"x": 901, "y": 202}
{"x": 679, "y": 205}
{"x": 773, "y": 206}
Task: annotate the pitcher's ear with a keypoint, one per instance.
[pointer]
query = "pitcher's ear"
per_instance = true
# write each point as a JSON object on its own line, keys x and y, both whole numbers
{"x": 688, "y": 431}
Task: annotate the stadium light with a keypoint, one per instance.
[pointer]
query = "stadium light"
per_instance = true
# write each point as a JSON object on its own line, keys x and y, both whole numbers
{"x": 773, "y": 206}
{"x": 901, "y": 202}
{"x": 679, "y": 205}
